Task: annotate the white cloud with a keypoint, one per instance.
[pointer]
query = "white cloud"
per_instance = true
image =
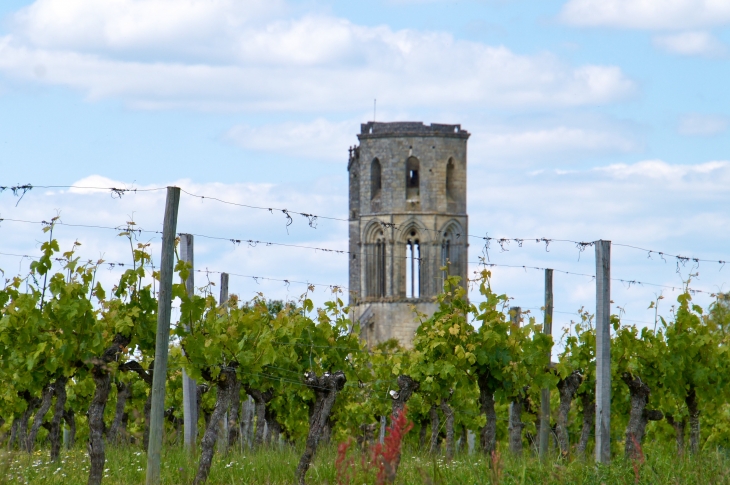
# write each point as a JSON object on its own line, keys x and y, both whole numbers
{"x": 674, "y": 208}
{"x": 319, "y": 139}
{"x": 702, "y": 125}
{"x": 322, "y": 139}
{"x": 658, "y": 169}
{"x": 545, "y": 142}
{"x": 172, "y": 27}
{"x": 198, "y": 216}
{"x": 647, "y": 14}
{"x": 690, "y": 44}
{"x": 216, "y": 55}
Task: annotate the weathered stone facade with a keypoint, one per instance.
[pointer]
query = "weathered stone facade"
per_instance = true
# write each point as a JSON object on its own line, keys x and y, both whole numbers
{"x": 407, "y": 221}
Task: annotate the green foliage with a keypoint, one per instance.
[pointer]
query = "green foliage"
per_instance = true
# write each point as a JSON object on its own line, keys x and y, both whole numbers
{"x": 495, "y": 346}
{"x": 58, "y": 321}
{"x": 443, "y": 346}
{"x": 510, "y": 359}
{"x": 579, "y": 353}
{"x": 43, "y": 338}
{"x": 695, "y": 357}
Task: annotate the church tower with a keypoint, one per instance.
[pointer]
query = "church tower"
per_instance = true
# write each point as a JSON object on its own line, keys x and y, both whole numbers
{"x": 407, "y": 221}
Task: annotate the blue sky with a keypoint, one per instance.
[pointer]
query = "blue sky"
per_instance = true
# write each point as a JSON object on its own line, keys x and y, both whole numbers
{"x": 589, "y": 119}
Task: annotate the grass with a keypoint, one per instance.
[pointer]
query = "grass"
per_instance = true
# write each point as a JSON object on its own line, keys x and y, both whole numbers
{"x": 126, "y": 466}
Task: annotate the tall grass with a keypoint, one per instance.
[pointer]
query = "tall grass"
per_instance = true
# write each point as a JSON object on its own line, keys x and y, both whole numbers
{"x": 126, "y": 466}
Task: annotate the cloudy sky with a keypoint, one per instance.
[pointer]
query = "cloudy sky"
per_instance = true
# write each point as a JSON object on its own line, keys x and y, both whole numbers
{"x": 590, "y": 119}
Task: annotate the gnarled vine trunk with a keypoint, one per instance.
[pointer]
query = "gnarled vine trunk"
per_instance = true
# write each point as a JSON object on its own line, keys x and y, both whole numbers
{"x": 589, "y": 417}
{"x": 46, "y": 401}
{"x": 124, "y": 391}
{"x": 233, "y": 429}
{"x": 274, "y": 427}
{"x": 325, "y": 391}
{"x": 435, "y": 428}
{"x": 566, "y": 388}
{"x": 260, "y": 399}
{"x": 679, "y": 429}
{"x": 488, "y": 435}
{"x": 70, "y": 419}
{"x": 32, "y": 403}
{"x": 13, "y": 433}
{"x": 200, "y": 390}
{"x": 102, "y": 379}
{"x": 58, "y": 411}
{"x": 366, "y": 438}
{"x": 406, "y": 388}
{"x": 463, "y": 440}
{"x": 422, "y": 435}
{"x": 146, "y": 376}
{"x": 694, "y": 420}
{"x": 326, "y": 431}
{"x": 639, "y": 394}
{"x": 97, "y": 457}
{"x": 226, "y": 383}
{"x": 449, "y": 418}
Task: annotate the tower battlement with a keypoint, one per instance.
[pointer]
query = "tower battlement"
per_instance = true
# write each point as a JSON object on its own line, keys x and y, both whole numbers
{"x": 412, "y": 128}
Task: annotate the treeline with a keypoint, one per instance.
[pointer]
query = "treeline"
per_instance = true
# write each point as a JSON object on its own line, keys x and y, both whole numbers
{"x": 75, "y": 356}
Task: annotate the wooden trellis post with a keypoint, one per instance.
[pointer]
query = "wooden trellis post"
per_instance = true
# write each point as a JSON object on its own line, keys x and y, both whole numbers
{"x": 190, "y": 387}
{"x": 164, "y": 308}
{"x": 547, "y": 328}
{"x": 603, "y": 351}
{"x": 223, "y": 423}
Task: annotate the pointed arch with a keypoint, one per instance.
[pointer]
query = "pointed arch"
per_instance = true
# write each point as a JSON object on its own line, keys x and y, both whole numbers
{"x": 451, "y": 242}
{"x": 413, "y": 238}
{"x": 375, "y": 248}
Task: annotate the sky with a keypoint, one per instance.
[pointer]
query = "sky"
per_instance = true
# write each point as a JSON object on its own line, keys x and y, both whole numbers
{"x": 590, "y": 119}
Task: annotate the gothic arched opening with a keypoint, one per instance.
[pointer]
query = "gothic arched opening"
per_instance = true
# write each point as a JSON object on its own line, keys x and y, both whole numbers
{"x": 412, "y": 179}
{"x": 413, "y": 266}
{"x": 376, "y": 183}
{"x": 450, "y": 189}
{"x": 376, "y": 267}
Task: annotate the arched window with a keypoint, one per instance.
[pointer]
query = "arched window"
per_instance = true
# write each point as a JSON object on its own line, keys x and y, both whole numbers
{"x": 450, "y": 190}
{"x": 412, "y": 181}
{"x": 375, "y": 178}
{"x": 413, "y": 266}
{"x": 446, "y": 256}
{"x": 450, "y": 253}
{"x": 376, "y": 267}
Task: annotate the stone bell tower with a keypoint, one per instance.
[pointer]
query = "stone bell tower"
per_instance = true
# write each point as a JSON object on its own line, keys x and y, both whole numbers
{"x": 407, "y": 221}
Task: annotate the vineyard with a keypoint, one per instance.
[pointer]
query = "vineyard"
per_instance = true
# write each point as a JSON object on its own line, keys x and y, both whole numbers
{"x": 292, "y": 382}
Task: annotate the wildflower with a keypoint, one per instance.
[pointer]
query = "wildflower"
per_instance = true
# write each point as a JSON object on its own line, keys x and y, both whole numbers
{"x": 388, "y": 456}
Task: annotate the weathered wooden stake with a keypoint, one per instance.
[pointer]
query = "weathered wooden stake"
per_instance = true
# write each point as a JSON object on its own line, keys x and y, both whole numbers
{"x": 514, "y": 423}
{"x": 223, "y": 423}
{"x": 547, "y": 328}
{"x": 164, "y": 304}
{"x": 190, "y": 387}
{"x": 603, "y": 351}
